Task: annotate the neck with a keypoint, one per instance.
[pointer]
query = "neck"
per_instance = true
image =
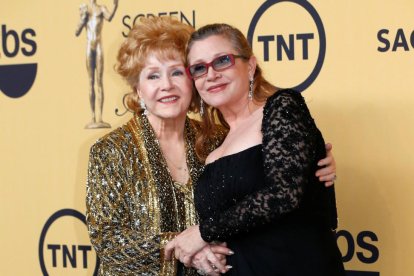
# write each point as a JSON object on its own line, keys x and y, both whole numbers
{"x": 237, "y": 112}
{"x": 168, "y": 129}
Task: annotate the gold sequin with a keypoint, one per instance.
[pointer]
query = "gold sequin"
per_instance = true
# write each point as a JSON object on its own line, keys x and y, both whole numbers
{"x": 133, "y": 206}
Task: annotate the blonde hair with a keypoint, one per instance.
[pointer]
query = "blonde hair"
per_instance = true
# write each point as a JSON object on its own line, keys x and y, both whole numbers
{"x": 163, "y": 36}
{"x": 262, "y": 89}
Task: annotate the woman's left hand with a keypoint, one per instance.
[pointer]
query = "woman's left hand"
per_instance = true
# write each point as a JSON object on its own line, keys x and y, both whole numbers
{"x": 185, "y": 245}
{"x": 327, "y": 173}
{"x": 211, "y": 260}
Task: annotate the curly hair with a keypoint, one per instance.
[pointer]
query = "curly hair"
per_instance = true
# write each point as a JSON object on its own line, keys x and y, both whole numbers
{"x": 165, "y": 37}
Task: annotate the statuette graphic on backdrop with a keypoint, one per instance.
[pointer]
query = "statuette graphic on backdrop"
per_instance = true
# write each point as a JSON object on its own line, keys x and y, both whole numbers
{"x": 92, "y": 17}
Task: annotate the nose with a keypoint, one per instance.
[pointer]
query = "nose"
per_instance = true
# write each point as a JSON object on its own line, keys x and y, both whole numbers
{"x": 212, "y": 74}
{"x": 166, "y": 84}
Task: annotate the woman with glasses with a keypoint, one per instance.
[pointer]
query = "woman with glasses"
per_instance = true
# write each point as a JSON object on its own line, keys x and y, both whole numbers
{"x": 258, "y": 191}
{"x": 141, "y": 175}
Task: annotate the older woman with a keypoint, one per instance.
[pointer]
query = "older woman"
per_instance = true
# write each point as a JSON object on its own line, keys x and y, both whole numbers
{"x": 139, "y": 189}
{"x": 258, "y": 191}
{"x": 141, "y": 175}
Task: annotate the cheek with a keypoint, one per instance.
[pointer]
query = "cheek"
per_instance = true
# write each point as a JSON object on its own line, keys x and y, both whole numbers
{"x": 143, "y": 92}
{"x": 187, "y": 88}
{"x": 146, "y": 91}
{"x": 242, "y": 83}
{"x": 199, "y": 85}
{"x": 188, "y": 97}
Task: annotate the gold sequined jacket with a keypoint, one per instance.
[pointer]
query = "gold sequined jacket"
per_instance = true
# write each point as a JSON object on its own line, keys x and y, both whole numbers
{"x": 133, "y": 207}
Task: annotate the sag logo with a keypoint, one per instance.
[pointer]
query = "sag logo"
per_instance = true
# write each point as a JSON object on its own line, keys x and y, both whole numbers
{"x": 395, "y": 40}
{"x": 290, "y": 38}
{"x": 64, "y": 247}
{"x": 361, "y": 248}
{"x": 17, "y": 79}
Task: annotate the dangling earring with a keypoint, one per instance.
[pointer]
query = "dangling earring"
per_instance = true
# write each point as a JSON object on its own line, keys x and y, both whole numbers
{"x": 201, "y": 107}
{"x": 143, "y": 106}
{"x": 250, "y": 95}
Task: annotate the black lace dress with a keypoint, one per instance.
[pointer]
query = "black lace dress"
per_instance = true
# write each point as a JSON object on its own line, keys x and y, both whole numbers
{"x": 266, "y": 203}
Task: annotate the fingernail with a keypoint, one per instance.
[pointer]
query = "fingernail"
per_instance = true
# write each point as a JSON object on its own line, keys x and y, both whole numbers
{"x": 231, "y": 252}
{"x": 229, "y": 266}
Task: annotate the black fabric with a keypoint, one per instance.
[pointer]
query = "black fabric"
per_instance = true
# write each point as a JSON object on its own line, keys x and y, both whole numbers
{"x": 266, "y": 203}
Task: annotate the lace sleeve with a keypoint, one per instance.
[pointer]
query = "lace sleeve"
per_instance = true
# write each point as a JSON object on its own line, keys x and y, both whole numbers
{"x": 288, "y": 155}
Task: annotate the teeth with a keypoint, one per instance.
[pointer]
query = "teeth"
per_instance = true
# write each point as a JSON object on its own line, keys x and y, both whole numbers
{"x": 166, "y": 100}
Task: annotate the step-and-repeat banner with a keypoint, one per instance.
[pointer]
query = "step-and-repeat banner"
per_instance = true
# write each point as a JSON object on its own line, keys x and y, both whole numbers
{"x": 353, "y": 61}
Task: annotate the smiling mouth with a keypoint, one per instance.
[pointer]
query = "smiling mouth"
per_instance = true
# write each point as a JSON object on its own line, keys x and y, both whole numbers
{"x": 168, "y": 99}
{"x": 217, "y": 88}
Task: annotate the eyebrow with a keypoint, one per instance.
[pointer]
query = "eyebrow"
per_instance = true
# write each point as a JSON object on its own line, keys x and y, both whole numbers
{"x": 214, "y": 56}
{"x": 169, "y": 66}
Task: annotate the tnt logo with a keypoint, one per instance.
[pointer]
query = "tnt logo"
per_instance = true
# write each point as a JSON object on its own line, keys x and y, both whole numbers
{"x": 17, "y": 79}
{"x": 288, "y": 38}
{"x": 64, "y": 247}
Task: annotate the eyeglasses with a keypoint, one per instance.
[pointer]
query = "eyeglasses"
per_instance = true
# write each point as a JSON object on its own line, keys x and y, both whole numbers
{"x": 220, "y": 63}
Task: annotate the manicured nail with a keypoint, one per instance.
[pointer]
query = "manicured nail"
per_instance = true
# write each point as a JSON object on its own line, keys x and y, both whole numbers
{"x": 231, "y": 252}
{"x": 228, "y": 267}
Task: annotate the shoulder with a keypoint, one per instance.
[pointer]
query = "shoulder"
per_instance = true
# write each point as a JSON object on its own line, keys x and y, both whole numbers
{"x": 285, "y": 105}
{"x": 220, "y": 131}
{"x": 283, "y": 98}
{"x": 114, "y": 142}
{"x": 103, "y": 8}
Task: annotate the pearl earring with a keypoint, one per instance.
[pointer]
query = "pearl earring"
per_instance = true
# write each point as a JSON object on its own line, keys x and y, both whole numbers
{"x": 143, "y": 106}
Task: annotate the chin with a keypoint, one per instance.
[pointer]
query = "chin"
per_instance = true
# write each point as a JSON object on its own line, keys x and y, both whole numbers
{"x": 216, "y": 100}
{"x": 215, "y": 103}
{"x": 172, "y": 115}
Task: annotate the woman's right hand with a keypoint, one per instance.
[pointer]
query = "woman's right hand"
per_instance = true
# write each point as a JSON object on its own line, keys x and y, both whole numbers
{"x": 212, "y": 259}
{"x": 327, "y": 172}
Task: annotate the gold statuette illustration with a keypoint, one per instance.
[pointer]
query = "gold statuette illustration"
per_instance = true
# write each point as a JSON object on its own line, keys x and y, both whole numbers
{"x": 92, "y": 17}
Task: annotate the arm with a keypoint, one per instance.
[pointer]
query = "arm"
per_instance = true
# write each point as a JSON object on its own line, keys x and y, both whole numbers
{"x": 288, "y": 159}
{"x": 118, "y": 243}
{"x": 107, "y": 15}
{"x": 83, "y": 10}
